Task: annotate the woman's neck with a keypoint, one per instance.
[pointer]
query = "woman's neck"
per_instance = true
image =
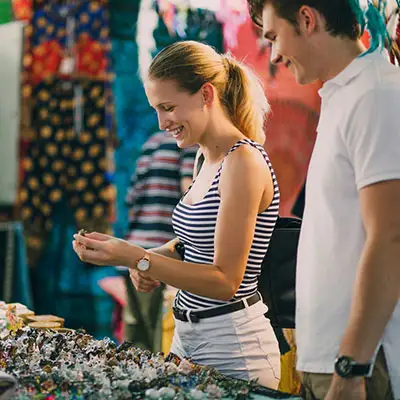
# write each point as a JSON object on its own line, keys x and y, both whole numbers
{"x": 215, "y": 145}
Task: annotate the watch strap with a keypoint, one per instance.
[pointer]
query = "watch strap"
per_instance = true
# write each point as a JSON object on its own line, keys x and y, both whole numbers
{"x": 346, "y": 367}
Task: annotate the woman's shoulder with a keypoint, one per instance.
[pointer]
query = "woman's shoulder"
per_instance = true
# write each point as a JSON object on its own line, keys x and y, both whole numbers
{"x": 246, "y": 161}
{"x": 247, "y": 153}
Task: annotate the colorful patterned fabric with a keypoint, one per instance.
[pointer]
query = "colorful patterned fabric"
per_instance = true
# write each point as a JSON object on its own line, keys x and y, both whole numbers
{"x": 51, "y": 39}
{"x": 49, "y": 22}
{"x": 22, "y": 9}
{"x": 68, "y": 161}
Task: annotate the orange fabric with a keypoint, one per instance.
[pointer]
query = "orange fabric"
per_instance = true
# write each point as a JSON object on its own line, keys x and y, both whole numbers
{"x": 91, "y": 58}
{"x": 43, "y": 61}
{"x": 22, "y": 9}
{"x": 46, "y": 58}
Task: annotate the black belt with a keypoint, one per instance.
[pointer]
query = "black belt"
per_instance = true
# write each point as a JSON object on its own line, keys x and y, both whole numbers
{"x": 196, "y": 316}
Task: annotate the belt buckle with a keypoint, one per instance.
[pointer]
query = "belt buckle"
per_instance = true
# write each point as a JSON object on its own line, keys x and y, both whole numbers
{"x": 180, "y": 314}
{"x": 193, "y": 317}
{"x": 185, "y": 316}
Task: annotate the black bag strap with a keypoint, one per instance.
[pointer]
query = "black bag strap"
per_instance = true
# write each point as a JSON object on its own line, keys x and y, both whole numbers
{"x": 200, "y": 162}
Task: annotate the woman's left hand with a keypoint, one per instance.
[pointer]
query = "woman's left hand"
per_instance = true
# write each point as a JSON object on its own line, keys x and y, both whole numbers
{"x": 100, "y": 249}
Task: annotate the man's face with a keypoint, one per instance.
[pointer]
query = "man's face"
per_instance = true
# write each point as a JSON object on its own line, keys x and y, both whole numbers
{"x": 289, "y": 46}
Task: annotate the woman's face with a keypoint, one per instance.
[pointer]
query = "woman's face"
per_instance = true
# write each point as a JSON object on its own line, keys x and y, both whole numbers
{"x": 179, "y": 112}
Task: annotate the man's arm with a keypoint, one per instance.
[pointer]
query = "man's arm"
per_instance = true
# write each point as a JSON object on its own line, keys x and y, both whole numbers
{"x": 377, "y": 286}
{"x": 168, "y": 250}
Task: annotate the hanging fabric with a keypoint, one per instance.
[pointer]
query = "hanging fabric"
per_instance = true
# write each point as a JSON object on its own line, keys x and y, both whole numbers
{"x": 49, "y": 44}
{"x": 67, "y": 182}
{"x": 232, "y": 15}
{"x": 66, "y": 164}
{"x": 22, "y": 10}
{"x": 66, "y": 84}
{"x": 134, "y": 117}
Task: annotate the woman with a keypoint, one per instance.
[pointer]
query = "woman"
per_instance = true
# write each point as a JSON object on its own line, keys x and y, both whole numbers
{"x": 225, "y": 219}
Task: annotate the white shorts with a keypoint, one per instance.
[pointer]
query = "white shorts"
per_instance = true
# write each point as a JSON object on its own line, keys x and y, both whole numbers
{"x": 241, "y": 344}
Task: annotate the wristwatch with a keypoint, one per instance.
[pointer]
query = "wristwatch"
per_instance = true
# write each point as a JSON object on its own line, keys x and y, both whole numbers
{"x": 144, "y": 263}
{"x": 347, "y": 368}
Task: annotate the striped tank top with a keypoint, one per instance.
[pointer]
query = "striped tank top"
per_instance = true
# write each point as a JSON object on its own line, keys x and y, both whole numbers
{"x": 195, "y": 224}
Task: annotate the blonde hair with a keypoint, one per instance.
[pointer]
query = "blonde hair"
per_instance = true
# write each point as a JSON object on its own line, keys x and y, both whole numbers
{"x": 192, "y": 64}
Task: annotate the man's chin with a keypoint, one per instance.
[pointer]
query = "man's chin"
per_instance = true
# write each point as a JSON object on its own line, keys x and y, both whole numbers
{"x": 304, "y": 80}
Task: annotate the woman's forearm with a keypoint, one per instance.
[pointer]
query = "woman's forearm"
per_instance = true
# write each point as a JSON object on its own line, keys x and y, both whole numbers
{"x": 202, "y": 279}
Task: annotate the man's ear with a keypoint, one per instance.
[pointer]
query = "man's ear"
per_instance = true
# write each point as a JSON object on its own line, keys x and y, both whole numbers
{"x": 309, "y": 20}
{"x": 208, "y": 93}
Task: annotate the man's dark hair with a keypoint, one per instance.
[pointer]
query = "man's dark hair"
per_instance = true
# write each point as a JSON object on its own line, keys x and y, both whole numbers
{"x": 341, "y": 20}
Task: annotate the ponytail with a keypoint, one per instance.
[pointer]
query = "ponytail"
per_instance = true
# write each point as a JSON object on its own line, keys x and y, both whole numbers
{"x": 244, "y": 99}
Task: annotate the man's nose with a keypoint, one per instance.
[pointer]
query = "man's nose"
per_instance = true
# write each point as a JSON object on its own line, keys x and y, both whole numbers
{"x": 276, "y": 58}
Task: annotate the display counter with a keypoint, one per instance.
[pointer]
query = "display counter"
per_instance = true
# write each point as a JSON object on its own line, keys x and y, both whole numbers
{"x": 51, "y": 362}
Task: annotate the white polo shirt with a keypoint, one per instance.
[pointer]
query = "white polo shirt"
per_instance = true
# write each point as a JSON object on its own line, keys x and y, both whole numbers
{"x": 358, "y": 144}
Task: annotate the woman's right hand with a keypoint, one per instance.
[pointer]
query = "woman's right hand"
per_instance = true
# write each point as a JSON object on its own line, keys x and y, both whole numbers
{"x": 143, "y": 283}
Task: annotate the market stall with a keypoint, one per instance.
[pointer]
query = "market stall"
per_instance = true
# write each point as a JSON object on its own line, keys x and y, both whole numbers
{"x": 51, "y": 362}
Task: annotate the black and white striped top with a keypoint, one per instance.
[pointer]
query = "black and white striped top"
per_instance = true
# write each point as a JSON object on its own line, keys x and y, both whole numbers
{"x": 194, "y": 225}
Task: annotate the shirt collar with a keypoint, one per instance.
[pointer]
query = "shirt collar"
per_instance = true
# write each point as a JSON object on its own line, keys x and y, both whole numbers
{"x": 349, "y": 73}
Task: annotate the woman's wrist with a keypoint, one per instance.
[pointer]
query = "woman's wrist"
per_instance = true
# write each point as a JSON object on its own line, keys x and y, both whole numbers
{"x": 134, "y": 255}
{"x": 143, "y": 263}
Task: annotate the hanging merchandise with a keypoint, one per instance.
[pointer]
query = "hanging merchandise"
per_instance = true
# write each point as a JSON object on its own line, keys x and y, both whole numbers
{"x": 232, "y": 15}
{"x": 176, "y": 14}
{"x": 67, "y": 179}
{"x": 393, "y": 27}
{"x": 135, "y": 119}
{"x": 201, "y": 25}
{"x": 22, "y": 10}
{"x": 58, "y": 31}
{"x": 68, "y": 160}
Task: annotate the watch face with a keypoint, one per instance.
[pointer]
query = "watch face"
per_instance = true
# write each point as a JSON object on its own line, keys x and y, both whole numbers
{"x": 143, "y": 265}
{"x": 344, "y": 366}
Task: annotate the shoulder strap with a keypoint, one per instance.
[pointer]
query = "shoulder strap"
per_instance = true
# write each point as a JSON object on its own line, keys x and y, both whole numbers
{"x": 200, "y": 162}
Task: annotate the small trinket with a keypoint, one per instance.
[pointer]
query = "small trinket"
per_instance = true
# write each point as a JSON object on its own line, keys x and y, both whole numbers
{"x": 82, "y": 232}
{"x": 13, "y": 322}
{"x": 167, "y": 393}
{"x": 196, "y": 394}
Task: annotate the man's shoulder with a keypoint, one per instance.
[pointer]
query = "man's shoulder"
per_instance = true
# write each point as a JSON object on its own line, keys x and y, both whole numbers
{"x": 376, "y": 87}
{"x": 379, "y": 77}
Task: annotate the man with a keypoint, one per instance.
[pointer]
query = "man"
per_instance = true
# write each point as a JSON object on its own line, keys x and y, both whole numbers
{"x": 348, "y": 273}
